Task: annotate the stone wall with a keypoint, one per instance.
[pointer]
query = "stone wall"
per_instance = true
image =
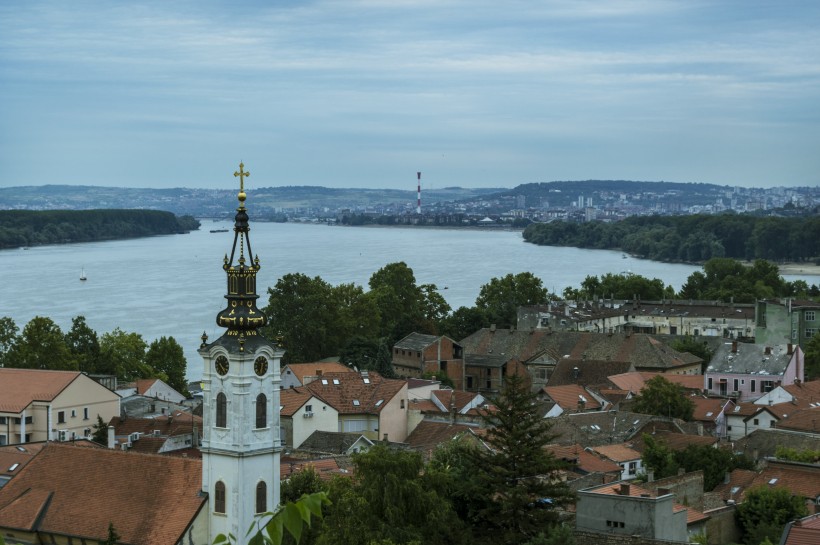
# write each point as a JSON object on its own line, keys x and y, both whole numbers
{"x": 591, "y": 538}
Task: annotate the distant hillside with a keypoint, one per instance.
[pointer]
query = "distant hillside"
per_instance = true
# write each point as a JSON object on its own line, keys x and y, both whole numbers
{"x": 20, "y": 228}
{"x": 212, "y": 202}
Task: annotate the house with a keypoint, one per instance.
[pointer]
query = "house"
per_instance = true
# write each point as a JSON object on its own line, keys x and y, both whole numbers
{"x": 366, "y": 402}
{"x": 155, "y": 388}
{"x": 39, "y": 405}
{"x": 764, "y": 443}
{"x": 334, "y": 443}
{"x": 590, "y": 373}
{"x": 793, "y": 319}
{"x": 628, "y": 459}
{"x": 744, "y": 418}
{"x": 326, "y": 468}
{"x": 417, "y": 354}
{"x": 175, "y": 432}
{"x": 711, "y": 413}
{"x": 420, "y": 388}
{"x": 635, "y": 381}
{"x": 582, "y": 461}
{"x": 45, "y": 504}
{"x": 630, "y": 510}
{"x": 572, "y": 398}
{"x": 428, "y": 435}
{"x": 299, "y": 374}
{"x": 801, "y": 480}
{"x": 748, "y": 371}
{"x": 301, "y": 414}
{"x": 805, "y": 531}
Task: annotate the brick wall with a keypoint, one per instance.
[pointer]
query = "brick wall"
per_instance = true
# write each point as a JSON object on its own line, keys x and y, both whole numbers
{"x": 591, "y": 538}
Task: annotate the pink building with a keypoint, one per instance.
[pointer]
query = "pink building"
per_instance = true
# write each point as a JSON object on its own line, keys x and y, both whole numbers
{"x": 745, "y": 372}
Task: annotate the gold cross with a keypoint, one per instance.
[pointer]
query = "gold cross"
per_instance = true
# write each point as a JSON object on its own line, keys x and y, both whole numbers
{"x": 241, "y": 175}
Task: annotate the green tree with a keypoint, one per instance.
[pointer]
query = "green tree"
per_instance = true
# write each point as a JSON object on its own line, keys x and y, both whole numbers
{"x": 516, "y": 478}
{"x": 765, "y": 512}
{"x": 693, "y": 346}
{"x": 389, "y": 498}
{"x": 165, "y": 356}
{"x": 360, "y": 352}
{"x": 464, "y": 321}
{"x": 123, "y": 355}
{"x": 291, "y": 516}
{"x": 113, "y": 536}
{"x": 501, "y": 297}
{"x": 560, "y": 534}
{"x": 812, "y": 358}
{"x": 41, "y": 345}
{"x": 8, "y": 334}
{"x": 305, "y": 481}
{"x": 84, "y": 345}
{"x": 100, "y": 434}
{"x": 663, "y": 398}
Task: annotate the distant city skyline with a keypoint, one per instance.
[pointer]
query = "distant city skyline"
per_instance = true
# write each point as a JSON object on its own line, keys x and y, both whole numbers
{"x": 365, "y": 93}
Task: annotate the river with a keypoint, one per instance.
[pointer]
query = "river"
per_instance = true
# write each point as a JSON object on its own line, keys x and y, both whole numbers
{"x": 174, "y": 285}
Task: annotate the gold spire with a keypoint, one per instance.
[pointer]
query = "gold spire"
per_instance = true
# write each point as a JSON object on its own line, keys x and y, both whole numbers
{"x": 241, "y": 173}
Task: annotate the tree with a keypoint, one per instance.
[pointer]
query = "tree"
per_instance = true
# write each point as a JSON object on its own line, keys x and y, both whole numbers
{"x": 291, "y": 516}
{"x": 812, "y": 357}
{"x": 41, "y": 345}
{"x": 8, "y": 334}
{"x": 113, "y": 536}
{"x": 123, "y": 355}
{"x": 84, "y": 345}
{"x": 165, "y": 356}
{"x": 501, "y": 297}
{"x": 516, "y": 478}
{"x": 464, "y": 321}
{"x": 305, "y": 481}
{"x": 693, "y": 346}
{"x": 765, "y": 511}
{"x": 663, "y": 398}
{"x": 389, "y": 498}
{"x": 100, "y": 434}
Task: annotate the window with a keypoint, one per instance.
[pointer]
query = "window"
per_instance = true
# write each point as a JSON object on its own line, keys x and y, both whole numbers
{"x": 766, "y": 386}
{"x": 2, "y": 420}
{"x": 735, "y": 389}
{"x": 308, "y": 408}
{"x": 402, "y": 404}
{"x": 614, "y": 524}
{"x": 809, "y": 316}
{"x": 61, "y": 417}
{"x": 810, "y": 331}
{"x": 756, "y": 422}
{"x": 752, "y": 385}
{"x": 219, "y": 496}
{"x": 85, "y": 413}
{"x": 261, "y": 411}
{"x": 2, "y": 440}
{"x": 73, "y": 413}
{"x": 709, "y": 383}
{"x": 633, "y": 468}
{"x": 261, "y": 497}
{"x": 221, "y": 411}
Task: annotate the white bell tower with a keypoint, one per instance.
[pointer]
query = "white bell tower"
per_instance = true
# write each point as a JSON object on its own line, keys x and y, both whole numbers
{"x": 240, "y": 446}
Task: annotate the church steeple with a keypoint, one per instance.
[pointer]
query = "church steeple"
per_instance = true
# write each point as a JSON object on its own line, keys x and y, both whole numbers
{"x": 241, "y": 317}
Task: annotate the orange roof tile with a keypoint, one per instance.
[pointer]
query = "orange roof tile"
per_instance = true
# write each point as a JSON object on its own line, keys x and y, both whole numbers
{"x": 19, "y": 455}
{"x": 178, "y": 423}
{"x": 707, "y": 409}
{"x": 635, "y": 381}
{"x": 144, "y": 384}
{"x": 19, "y": 387}
{"x": 352, "y": 393}
{"x": 152, "y": 499}
{"x": 292, "y": 399}
{"x": 618, "y": 453}
{"x": 582, "y": 459}
{"x": 428, "y": 435}
{"x": 302, "y": 370}
{"x": 568, "y": 396}
{"x": 326, "y": 468}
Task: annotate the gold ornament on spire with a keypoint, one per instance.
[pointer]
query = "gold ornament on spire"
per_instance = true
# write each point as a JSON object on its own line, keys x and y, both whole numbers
{"x": 241, "y": 173}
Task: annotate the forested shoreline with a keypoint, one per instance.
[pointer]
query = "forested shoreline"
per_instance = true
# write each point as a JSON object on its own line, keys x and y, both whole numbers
{"x": 22, "y": 228}
{"x": 690, "y": 239}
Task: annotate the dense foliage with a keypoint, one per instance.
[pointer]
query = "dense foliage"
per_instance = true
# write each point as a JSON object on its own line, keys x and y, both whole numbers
{"x": 812, "y": 358}
{"x": 694, "y": 238}
{"x": 20, "y": 228}
{"x": 42, "y": 345}
{"x": 714, "y": 462}
{"x": 765, "y": 511}
{"x": 664, "y": 398}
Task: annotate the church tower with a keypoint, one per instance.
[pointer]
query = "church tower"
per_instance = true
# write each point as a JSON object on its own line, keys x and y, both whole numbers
{"x": 240, "y": 447}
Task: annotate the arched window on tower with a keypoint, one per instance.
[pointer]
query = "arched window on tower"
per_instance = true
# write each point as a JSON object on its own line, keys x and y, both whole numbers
{"x": 261, "y": 497}
{"x": 221, "y": 410}
{"x": 219, "y": 497}
{"x": 261, "y": 411}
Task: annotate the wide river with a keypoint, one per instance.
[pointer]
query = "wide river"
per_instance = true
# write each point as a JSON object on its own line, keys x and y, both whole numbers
{"x": 174, "y": 285}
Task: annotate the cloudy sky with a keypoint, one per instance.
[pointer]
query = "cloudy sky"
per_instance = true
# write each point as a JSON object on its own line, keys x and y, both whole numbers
{"x": 364, "y": 93}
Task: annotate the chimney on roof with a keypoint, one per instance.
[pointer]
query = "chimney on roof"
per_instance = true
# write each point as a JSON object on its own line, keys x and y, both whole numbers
{"x": 385, "y": 438}
{"x": 681, "y": 471}
{"x": 624, "y": 491}
{"x": 576, "y": 373}
{"x": 650, "y": 475}
{"x": 492, "y": 328}
{"x": 768, "y": 351}
{"x": 734, "y": 347}
{"x": 789, "y": 349}
{"x": 112, "y": 441}
{"x": 663, "y": 491}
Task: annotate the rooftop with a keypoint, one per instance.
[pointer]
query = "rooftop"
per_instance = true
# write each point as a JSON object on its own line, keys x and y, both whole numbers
{"x": 750, "y": 359}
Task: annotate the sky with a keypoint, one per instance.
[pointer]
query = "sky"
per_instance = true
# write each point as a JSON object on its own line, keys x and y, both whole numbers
{"x": 365, "y": 93}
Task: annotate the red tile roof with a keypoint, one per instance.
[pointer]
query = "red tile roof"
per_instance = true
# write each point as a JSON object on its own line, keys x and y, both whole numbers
{"x": 707, "y": 409}
{"x": 428, "y": 435}
{"x": 19, "y": 455}
{"x": 326, "y": 468}
{"x": 302, "y": 370}
{"x": 292, "y": 399}
{"x": 568, "y": 396}
{"x": 582, "y": 459}
{"x": 618, "y": 453}
{"x": 805, "y": 531}
{"x": 178, "y": 423}
{"x": 144, "y": 384}
{"x": 353, "y": 393}
{"x": 67, "y": 490}
{"x": 19, "y": 387}
{"x": 636, "y": 380}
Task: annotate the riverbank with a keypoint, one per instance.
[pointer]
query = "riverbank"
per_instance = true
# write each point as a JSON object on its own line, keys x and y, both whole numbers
{"x": 799, "y": 268}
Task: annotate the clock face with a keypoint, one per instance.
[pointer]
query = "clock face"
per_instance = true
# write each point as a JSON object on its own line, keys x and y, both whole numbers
{"x": 222, "y": 365}
{"x": 260, "y": 366}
